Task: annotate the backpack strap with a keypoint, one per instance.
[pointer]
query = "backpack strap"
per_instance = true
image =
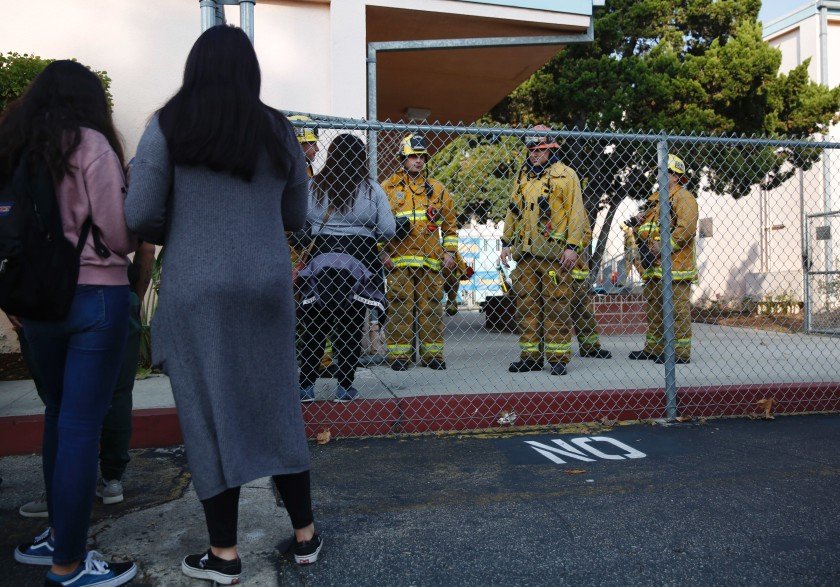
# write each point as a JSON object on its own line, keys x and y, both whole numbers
{"x": 83, "y": 235}
{"x": 87, "y": 227}
{"x": 98, "y": 246}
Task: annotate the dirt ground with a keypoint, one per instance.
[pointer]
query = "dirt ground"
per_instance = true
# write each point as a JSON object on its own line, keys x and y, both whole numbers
{"x": 789, "y": 323}
{"x": 12, "y": 367}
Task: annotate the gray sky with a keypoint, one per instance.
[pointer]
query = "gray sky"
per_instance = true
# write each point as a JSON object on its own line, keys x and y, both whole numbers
{"x": 773, "y": 9}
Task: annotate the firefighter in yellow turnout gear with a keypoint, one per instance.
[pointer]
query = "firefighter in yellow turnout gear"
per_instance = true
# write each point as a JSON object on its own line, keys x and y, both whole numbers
{"x": 546, "y": 230}
{"x": 683, "y": 225}
{"x": 426, "y": 243}
{"x": 308, "y": 140}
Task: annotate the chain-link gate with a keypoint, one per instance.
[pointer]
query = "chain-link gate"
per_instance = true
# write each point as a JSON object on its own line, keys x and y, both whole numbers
{"x": 685, "y": 301}
{"x": 822, "y": 294}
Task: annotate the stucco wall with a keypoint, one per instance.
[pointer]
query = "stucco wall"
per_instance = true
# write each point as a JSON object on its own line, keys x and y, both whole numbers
{"x": 143, "y": 47}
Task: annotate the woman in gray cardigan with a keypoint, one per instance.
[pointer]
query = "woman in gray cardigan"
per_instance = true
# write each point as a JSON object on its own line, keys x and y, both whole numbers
{"x": 218, "y": 177}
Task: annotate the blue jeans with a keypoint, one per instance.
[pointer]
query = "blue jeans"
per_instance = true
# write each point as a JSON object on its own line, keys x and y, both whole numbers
{"x": 79, "y": 359}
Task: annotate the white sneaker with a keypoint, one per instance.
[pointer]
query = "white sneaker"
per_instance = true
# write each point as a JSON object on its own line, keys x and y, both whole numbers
{"x": 95, "y": 572}
{"x": 36, "y": 508}
{"x": 110, "y": 491}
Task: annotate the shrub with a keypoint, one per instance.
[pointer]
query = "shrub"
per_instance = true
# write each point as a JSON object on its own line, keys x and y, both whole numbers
{"x": 17, "y": 72}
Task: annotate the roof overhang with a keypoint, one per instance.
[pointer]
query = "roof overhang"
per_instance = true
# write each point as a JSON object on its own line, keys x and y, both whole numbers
{"x": 462, "y": 84}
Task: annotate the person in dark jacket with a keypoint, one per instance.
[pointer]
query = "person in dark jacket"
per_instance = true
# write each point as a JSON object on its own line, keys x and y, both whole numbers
{"x": 348, "y": 213}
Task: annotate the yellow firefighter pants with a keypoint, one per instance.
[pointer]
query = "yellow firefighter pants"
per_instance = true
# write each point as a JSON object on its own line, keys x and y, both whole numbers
{"x": 583, "y": 317}
{"x": 413, "y": 289}
{"x": 543, "y": 293}
{"x": 655, "y": 339}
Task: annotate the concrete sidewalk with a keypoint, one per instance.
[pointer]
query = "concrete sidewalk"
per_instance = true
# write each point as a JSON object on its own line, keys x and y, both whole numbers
{"x": 729, "y": 502}
{"x": 477, "y": 363}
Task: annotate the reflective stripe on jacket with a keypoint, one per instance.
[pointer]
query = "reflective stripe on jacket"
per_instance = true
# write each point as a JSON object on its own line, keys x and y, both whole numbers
{"x": 428, "y": 206}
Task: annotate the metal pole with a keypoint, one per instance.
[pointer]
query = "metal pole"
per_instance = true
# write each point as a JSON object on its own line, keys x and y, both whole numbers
{"x": 208, "y": 14}
{"x": 826, "y": 163}
{"x": 246, "y": 18}
{"x": 667, "y": 282}
{"x": 823, "y": 44}
{"x": 803, "y": 228}
{"x": 373, "y": 152}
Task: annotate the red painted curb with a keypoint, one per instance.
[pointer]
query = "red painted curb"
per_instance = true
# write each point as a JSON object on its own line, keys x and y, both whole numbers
{"x": 159, "y": 427}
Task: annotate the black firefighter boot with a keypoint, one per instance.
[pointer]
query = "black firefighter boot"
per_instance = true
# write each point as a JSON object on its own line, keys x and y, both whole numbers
{"x": 593, "y": 353}
{"x": 436, "y": 364}
{"x": 526, "y": 365}
{"x": 558, "y": 368}
{"x": 400, "y": 365}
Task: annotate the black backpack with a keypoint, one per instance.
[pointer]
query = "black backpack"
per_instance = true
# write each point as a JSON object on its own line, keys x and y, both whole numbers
{"x": 39, "y": 267}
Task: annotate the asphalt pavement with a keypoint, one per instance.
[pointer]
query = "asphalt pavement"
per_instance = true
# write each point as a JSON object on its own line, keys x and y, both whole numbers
{"x": 722, "y": 502}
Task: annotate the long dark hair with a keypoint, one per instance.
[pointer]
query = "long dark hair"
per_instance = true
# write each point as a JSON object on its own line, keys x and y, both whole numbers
{"x": 217, "y": 119}
{"x": 47, "y": 119}
{"x": 344, "y": 171}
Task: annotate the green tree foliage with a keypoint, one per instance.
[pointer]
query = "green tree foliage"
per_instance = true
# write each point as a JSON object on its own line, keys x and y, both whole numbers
{"x": 687, "y": 66}
{"x": 17, "y": 72}
{"x": 479, "y": 173}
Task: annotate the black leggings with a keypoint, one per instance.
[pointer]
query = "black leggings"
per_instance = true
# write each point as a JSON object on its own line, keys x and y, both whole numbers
{"x": 344, "y": 327}
{"x": 222, "y": 510}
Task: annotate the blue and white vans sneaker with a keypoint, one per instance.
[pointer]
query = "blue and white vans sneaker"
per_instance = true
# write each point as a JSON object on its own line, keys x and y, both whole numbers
{"x": 343, "y": 395}
{"x": 95, "y": 572}
{"x": 37, "y": 552}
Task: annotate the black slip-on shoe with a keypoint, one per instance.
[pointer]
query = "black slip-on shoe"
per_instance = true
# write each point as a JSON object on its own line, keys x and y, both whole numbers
{"x": 307, "y": 552}
{"x": 209, "y": 567}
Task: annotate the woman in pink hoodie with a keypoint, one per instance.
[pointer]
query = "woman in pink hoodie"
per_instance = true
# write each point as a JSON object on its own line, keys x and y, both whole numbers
{"x": 63, "y": 120}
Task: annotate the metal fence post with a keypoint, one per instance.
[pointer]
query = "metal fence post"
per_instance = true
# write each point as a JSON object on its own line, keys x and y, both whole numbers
{"x": 373, "y": 147}
{"x": 667, "y": 282}
{"x": 246, "y": 18}
{"x": 208, "y": 14}
{"x": 804, "y": 227}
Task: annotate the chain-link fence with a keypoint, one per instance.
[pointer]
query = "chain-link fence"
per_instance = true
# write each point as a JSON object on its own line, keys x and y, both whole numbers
{"x": 540, "y": 276}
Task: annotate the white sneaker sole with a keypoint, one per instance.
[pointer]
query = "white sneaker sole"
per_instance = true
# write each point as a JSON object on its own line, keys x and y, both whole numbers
{"x": 26, "y": 559}
{"x": 120, "y": 580}
{"x": 219, "y": 578}
{"x": 112, "y": 499}
{"x": 25, "y": 514}
{"x": 310, "y": 558}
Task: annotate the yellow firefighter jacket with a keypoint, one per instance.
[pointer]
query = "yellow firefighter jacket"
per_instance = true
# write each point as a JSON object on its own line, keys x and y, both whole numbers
{"x": 684, "y": 216}
{"x": 546, "y": 215}
{"x": 428, "y": 205}
{"x": 294, "y": 252}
